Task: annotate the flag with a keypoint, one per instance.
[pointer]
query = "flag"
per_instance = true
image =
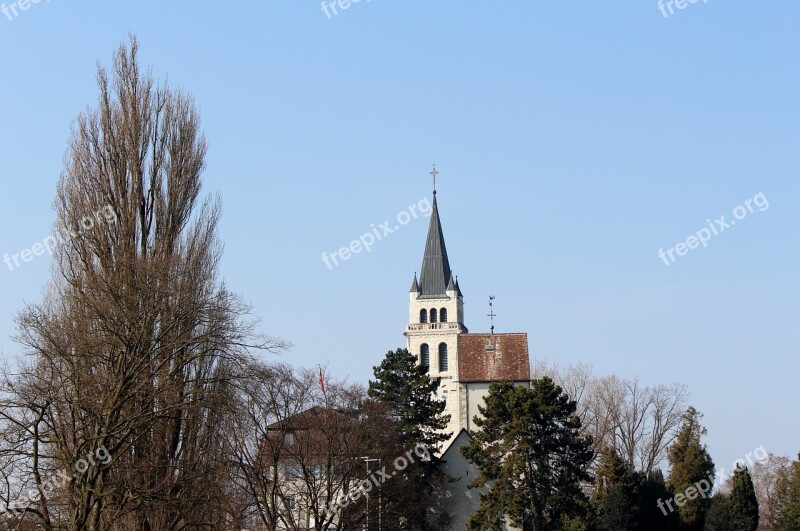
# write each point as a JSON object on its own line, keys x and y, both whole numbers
{"x": 321, "y": 381}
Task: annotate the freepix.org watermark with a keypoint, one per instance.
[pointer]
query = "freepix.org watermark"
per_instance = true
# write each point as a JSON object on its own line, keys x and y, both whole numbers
{"x": 330, "y": 6}
{"x": 33, "y": 495}
{"x": 10, "y": 10}
{"x": 704, "y": 487}
{"x": 667, "y": 5}
{"x": 377, "y": 478}
{"x": 49, "y": 244}
{"x": 368, "y": 239}
{"x": 715, "y": 228}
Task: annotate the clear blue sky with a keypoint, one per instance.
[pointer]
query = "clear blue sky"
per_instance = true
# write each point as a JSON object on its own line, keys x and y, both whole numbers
{"x": 573, "y": 141}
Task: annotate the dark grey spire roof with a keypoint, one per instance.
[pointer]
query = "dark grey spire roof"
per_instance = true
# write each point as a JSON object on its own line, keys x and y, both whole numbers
{"x": 451, "y": 286}
{"x": 414, "y": 285}
{"x": 435, "y": 274}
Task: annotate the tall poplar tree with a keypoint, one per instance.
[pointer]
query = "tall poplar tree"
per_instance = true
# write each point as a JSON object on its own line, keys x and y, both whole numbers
{"x": 132, "y": 351}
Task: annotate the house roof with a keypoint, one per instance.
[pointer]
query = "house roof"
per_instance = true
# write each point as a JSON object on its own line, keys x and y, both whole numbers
{"x": 312, "y": 418}
{"x": 493, "y": 357}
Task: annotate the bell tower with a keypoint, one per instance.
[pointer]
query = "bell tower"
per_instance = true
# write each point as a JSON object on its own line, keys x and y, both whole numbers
{"x": 436, "y": 315}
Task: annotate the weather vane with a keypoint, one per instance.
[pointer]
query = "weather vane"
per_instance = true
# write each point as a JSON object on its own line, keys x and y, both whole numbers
{"x": 491, "y": 315}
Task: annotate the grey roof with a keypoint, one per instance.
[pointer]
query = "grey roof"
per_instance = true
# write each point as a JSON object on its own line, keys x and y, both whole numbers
{"x": 435, "y": 273}
{"x": 414, "y": 285}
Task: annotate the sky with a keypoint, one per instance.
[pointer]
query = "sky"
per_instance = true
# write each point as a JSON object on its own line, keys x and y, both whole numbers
{"x": 573, "y": 140}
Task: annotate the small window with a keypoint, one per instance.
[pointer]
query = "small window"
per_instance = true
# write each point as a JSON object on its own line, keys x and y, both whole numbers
{"x": 443, "y": 315}
{"x": 288, "y": 438}
{"x": 442, "y": 357}
{"x": 423, "y": 316}
{"x": 424, "y": 355}
{"x": 433, "y": 315}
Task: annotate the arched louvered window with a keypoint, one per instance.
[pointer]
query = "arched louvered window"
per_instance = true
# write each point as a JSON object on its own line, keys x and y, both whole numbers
{"x": 443, "y": 315}
{"x": 433, "y": 315}
{"x": 442, "y": 357}
{"x": 423, "y": 316}
{"x": 424, "y": 355}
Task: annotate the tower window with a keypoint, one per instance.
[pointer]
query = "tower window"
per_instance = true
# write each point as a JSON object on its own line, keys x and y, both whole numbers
{"x": 442, "y": 357}
{"x": 424, "y": 355}
{"x": 443, "y": 315}
{"x": 433, "y": 315}
{"x": 423, "y": 316}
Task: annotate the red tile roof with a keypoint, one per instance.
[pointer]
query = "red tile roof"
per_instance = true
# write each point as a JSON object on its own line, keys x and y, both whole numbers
{"x": 507, "y": 361}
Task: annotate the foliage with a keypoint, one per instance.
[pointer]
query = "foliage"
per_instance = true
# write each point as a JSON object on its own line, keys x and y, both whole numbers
{"x": 532, "y": 456}
{"x": 691, "y": 464}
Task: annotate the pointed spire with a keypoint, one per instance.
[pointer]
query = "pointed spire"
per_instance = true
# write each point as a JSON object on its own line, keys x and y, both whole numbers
{"x": 458, "y": 288}
{"x": 451, "y": 286}
{"x": 435, "y": 274}
{"x": 414, "y": 285}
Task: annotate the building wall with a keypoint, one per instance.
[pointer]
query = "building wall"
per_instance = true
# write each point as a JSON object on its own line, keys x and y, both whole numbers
{"x": 456, "y": 498}
{"x": 472, "y": 395}
{"x": 433, "y": 334}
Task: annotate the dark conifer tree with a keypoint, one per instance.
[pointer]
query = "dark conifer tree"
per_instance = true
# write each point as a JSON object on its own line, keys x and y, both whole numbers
{"x": 532, "y": 456}
{"x": 742, "y": 502}
{"x": 408, "y": 392}
{"x": 691, "y": 465}
{"x": 718, "y": 517}
{"x": 654, "y": 514}
{"x": 615, "y": 498}
{"x": 787, "y": 499}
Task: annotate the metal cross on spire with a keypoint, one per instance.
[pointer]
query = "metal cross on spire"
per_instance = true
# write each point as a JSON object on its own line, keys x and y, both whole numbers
{"x": 434, "y": 173}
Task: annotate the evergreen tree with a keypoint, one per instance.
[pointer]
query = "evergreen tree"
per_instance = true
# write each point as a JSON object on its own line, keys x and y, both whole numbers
{"x": 691, "y": 466}
{"x": 615, "y": 498}
{"x": 532, "y": 456}
{"x": 652, "y": 490}
{"x": 787, "y": 499}
{"x": 742, "y": 502}
{"x": 408, "y": 391}
{"x": 718, "y": 517}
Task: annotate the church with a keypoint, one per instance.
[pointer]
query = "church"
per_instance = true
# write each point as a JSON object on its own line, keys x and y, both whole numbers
{"x": 466, "y": 364}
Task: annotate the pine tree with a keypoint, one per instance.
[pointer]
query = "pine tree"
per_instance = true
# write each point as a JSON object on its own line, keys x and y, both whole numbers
{"x": 615, "y": 497}
{"x": 718, "y": 517}
{"x": 652, "y": 516}
{"x": 408, "y": 391}
{"x": 532, "y": 456}
{"x": 742, "y": 502}
{"x": 787, "y": 499}
{"x": 691, "y": 466}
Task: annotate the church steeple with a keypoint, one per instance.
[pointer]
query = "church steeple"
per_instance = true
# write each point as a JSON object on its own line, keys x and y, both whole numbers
{"x": 435, "y": 275}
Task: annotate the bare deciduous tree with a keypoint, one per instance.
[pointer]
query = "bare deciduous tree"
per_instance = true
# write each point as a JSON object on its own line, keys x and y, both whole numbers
{"x": 134, "y": 346}
{"x": 298, "y": 448}
{"x": 765, "y": 476}
{"x": 639, "y": 421}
